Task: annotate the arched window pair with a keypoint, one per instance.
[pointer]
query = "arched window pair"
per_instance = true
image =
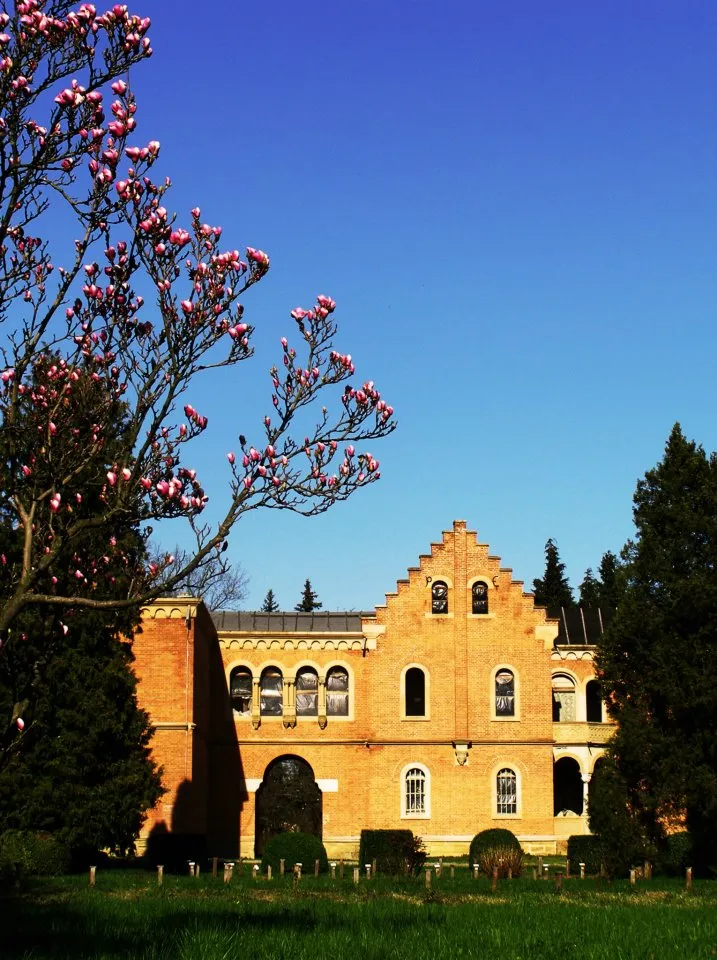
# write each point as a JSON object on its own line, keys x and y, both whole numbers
{"x": 271, "y": 692}
{"x": 439, "y": 597}
{"x": 416, "y": 786}
{"x": 565, "y": 697}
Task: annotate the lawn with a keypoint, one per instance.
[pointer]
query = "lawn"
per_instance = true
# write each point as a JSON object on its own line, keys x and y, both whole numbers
{"x": 128, "y": 915}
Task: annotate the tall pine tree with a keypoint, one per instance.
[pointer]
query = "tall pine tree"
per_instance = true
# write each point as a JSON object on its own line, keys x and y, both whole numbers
{"x": 553, "y": 590}
{"x": 270, "y": 604}
{"x": 589, "y": 590}
{"x": 658, "y": 658}
{"x": 309, "y": 600}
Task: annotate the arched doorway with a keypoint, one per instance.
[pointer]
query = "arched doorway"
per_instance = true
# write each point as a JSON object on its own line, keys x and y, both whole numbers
{"x": 567, "y": 786}
{"x": 289, "y": 799}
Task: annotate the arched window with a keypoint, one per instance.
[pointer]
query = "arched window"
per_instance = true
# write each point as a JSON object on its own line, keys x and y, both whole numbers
{"x": 337, "y": 692}
{"x": 593, "y": 702}
{"x": 414, "y": 792}
{"x": 480, "y": 597}
{"x": 415, "y": 692}
{"x": 307, "y": 692}
{"x": 240, "y": 691}
{"x": 504, "y": 694}
{"x": 271, "y": 692}
{"x": 563, "y": 698}
{"x": 506, "y": 791}
{"x": 439, "y": 597}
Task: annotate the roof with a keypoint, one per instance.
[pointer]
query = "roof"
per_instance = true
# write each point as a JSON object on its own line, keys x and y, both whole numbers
{"x": 581, "y": 625}
{"x": 249, "y": 621}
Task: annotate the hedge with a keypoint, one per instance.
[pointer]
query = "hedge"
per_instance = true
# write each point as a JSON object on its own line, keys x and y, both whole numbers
{"x": 394, "y": 851}
{"x": 303, "y": 848}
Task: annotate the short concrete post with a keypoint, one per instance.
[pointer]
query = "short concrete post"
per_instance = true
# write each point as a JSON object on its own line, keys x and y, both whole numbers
{"x": 510, "y": 873}
{"x": 298, "y": 867}
{"x": 475, "y": 871}
{"x": 367, "y": 867}
{"x": 437, "y": 868}
{"x": 268, "y": 871}
{"x": 688, "y": 878}
{"x": 196, "y": 869}
{"x": 540, "y": 866}
{"x": 558, "y": 882}
{"x": 341, "y": 869}
{"x": 255, "y": 871}
{"x": 333, "y": 871}
{"x": 215, "y": 863}
{"x": 567, "y": 867}
{"x": 582, "y": 871}
{"x": 281, "y": 868}
{"x": 356, "y": 875}
{"x": 546, "y": 871}
{"x": 453, "y": 872}
{"x": 632, "y": 877}
{"x": 160, "y": 875}
{"x": 190, "y": 864}
{"x": 648, "y": 870}
{"x": 535, "y": 873}
{"x": 428, "y": 879}
{"x": 93, "y": 874}
{"x": 494, "y": 879}
{"x": 316, "y": 868}
{"x": 226, "y": 873}
{"x": 374, "y": 871}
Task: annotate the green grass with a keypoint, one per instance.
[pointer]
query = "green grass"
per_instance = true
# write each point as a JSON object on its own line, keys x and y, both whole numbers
{"x": 127, "y": 915}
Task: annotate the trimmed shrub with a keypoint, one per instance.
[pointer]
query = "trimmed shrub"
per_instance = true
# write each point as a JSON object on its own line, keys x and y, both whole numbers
{"x": 303, "y": 848}
{"x": 587, "y": 850}
{"x": 24, "y": 853}
{"x": 676, "y": 856}
{"x": 506, "y": 860}
{"x": 395, "y": 851}
{"x": 492, "y": 838}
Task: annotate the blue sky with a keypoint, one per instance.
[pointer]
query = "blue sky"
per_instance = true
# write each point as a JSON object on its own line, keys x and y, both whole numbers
{"x": 515, "y": 208}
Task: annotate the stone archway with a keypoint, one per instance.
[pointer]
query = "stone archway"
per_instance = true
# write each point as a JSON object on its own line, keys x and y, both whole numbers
{"x": 289, "y": 799}
{"x": 567, "y": 786}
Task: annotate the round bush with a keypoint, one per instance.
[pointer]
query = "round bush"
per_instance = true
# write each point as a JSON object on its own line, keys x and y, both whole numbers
{"x": 488, "y": 839}
{"x": 677, "y": 855}
{"x": 303, "y": 848}
{"x": 24, "y": 853}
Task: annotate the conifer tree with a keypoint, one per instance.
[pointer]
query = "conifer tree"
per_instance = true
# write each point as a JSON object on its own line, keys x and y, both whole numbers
{"x": 658, "y": 658}
{"x": 590, "y": 590}
{"x": 610, "y": 580}
{"x": 270, "y": 604}
{"x": 553, "y": 590}
{"x": 309, "y": 601}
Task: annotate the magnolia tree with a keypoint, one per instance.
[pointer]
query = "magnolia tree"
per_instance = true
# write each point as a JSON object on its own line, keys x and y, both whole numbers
{"x": 98, "y": 416}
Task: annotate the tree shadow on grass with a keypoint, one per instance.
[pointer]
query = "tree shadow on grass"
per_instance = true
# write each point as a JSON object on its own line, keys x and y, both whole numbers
{"x": 130, "y": 928}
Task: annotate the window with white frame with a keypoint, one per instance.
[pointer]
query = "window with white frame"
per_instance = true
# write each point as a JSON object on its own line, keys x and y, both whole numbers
{"x": 504, "y": 693}
{"x": 415, "y": 792}
{"x": 506, "y": 792}
{"x": 439, "y": 597}
{"x": 271, "y": 692}
{"x": 479, "y": 597}
{"x": 307, "y": 692}
{"x": 240, "y": 691}
{"x": 563, "y": 698}
{"x": 337, "y": 692}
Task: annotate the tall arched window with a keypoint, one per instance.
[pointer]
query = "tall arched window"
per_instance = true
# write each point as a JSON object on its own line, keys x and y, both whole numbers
{"x": 504, "y": 694}
{"x": 337, "y": 692}
{"x": 307, "y": 692}
{"x": 439, "y": 597}
{"x": 415, "y": 692}
{"x": 593, "y": 702}
{"x": 271, "y": 692}
{"x": 414, "y": 792}
{"x": 563, "y": 698}
{"x": 506, "y": 791}
{"x": 240, "y": 691}
{"x": 480, "y": 597}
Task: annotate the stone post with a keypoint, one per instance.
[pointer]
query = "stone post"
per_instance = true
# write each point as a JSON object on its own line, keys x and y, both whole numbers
{"x": 582, "y": 871}
{"x": 93, "y": 875}
{"x": 281, "y": 868}
{"x": 356, "y": 875}
{"x": 215, "y": 862}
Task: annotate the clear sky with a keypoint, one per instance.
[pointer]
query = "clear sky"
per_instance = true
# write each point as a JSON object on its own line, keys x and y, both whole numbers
{"x": 514, "y": 205}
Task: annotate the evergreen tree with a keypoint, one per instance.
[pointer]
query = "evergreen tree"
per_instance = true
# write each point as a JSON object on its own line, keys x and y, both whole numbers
{"x": 610, "y": 580}
{"x": 553, "y": 590}
{"x": 658, "y": 658}
{"x": 309, "y": 601}
{"x": 270, "y": 605}
{"x": 590, "y": 590}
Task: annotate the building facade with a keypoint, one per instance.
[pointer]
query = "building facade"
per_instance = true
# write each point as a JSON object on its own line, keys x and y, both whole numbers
{"x": 454, "y": 707}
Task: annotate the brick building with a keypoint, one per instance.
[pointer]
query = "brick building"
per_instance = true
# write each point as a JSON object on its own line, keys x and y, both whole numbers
{"x": 456, "y": 706}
